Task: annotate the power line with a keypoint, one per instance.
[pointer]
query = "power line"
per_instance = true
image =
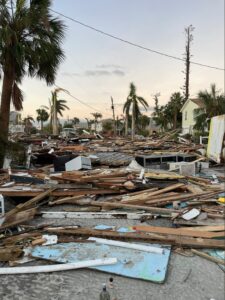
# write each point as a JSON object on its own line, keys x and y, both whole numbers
{"x": 134, "y": 44}
{"x": 80, "y": 101}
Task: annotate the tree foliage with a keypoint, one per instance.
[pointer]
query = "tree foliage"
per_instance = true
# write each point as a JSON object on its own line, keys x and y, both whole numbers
{"x": 214, "y": 105}
{"x": 42, "y": 116}
{"x": 169, "y": 116}
{"x": 30, "y": 45}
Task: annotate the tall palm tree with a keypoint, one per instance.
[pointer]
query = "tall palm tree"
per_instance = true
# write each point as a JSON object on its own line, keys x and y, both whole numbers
{"x": 42, "y": 116}
{"x": 30, "y": 44}
{"x": 133, "y": 102}
{"x": 57, "y": 107}
{"x": 96, "y": 116}
{"x": 214, "y": 103}
{"x": 28, "y": 123}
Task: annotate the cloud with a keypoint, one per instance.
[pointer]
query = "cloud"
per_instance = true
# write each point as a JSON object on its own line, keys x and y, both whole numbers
{"x": 115, "y": 72}
{"x": 68, "y": 74}
{"x": 109, "y": 66}
{"x": 97, "y": 73}
{"x": 118, "y": 72}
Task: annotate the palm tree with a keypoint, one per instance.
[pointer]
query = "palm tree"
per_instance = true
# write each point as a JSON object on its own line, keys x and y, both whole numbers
{"x": 75, "y": 121}
{"x": 30, "y": 44}
{"x": 42, "y": 116}
{"x": 133, "y": 102}
{"x": 57, "y": 107}
{"x": 28, "y": 123}
{"x": 214, "y": 103}
{"x": 96, "y": 116}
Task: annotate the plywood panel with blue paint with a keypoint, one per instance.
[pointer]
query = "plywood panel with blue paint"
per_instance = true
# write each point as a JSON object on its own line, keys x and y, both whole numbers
{"x": 131, "y": 263}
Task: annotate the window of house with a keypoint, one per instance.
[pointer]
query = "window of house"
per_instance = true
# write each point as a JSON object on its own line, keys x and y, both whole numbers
{"x": 185, "y": 115}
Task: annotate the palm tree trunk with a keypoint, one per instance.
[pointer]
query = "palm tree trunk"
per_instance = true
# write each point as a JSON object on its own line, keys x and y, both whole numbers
{"x": 133, "y": 123}
{"x": 126, "y": 125}
{"x": 55, "y": 125}
{"x": 41, "y": 126}
{"x": 4, "y": 114}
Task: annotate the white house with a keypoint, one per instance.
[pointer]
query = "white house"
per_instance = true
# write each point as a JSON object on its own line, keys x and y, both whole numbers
{"x": 99, "y": 127}
{"x": 189, "y": 112}
{"x": 14, "y": 117}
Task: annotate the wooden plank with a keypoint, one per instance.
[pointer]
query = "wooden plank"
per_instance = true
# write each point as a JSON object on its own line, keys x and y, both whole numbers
{"x": 205, "y": 228}
{"x": 209, "y": 257}
{"x": 30, "y": 203}
{"x": 18, "y": 218}
{"x": 147, "y": 196}
{"x": 60, "y": 193}
{"x": 178, "y": 231}
{"x": 163, "y": 201}
{"x": 154, "y": 210}
{"x": 177, "y": 241}
{"x": 207, "y": 222}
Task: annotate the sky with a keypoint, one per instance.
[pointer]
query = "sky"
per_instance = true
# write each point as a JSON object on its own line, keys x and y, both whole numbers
{"x": 97, "y": 67}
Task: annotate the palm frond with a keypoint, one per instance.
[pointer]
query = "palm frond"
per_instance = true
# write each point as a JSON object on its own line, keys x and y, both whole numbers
{"x": 17, "y": 97}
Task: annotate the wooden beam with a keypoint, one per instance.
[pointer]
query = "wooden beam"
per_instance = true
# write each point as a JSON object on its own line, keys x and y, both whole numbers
{"x": 62, "y": 193}
{"x": 155, "y": 210}
{"x": 178, "y": 231}
{"x": 30, "y": 203}
{"x": 151, "y": 237}
{"x": 145, "y": 197}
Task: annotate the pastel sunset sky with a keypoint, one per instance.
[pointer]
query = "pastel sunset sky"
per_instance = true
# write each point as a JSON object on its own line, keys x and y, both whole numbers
{"x": 98, "y": 67}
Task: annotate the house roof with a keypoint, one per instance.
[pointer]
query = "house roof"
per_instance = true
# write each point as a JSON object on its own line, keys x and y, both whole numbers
{"x": 197, "y": 101}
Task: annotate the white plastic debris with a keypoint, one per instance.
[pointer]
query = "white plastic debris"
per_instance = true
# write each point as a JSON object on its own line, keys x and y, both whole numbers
{"x": 191, "y": 214}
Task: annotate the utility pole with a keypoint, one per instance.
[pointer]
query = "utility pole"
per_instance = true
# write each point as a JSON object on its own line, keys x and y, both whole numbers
{"x": 114, "y": 120}
{"x": 187, "y": 56}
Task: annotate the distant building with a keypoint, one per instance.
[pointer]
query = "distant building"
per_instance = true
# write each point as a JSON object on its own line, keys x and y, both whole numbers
{"x": 98, "y": 127}
{"x": 14, "y": 118}
{"x": 15, "y": 125}
{"x": 190, "y": 110}
{"x": 16, "y": 128}
{"x": 83, "y": 124}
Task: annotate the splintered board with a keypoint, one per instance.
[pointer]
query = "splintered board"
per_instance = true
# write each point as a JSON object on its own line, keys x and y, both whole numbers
{"x": 131, "y": 263}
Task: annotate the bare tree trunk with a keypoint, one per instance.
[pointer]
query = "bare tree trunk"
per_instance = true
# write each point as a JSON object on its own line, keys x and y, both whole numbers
{"x": 189, "y": 37}
{"x": 114, "y": 119}
{"x": 54, "y": 119}
{"x": 133, "y": 123}
{"x": 4, "y": 114}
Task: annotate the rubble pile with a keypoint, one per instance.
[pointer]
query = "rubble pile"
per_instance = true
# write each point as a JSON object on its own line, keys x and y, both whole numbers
{"x": 101, "y": 180}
